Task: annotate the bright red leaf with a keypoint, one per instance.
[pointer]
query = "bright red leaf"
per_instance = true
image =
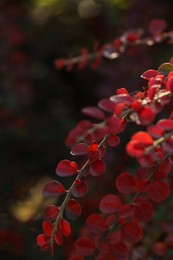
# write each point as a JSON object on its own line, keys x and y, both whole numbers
{"x": 64, "y": 227}
{"x": 58, "y": 238}
{"x": 47, "y": 227}
{"x": 146, "y": 115}
{"x": 43, "y": 241}
{"x": 66, "y": 168}
{"x": 149, "y": 74}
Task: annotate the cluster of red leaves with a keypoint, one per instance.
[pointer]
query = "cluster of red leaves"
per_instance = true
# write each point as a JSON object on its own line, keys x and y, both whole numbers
{"x": 112, "y": 50}
{"x": 112, "y": 233}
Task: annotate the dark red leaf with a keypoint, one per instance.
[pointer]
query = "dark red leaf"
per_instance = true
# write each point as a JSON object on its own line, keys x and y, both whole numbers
{"x": 64, "y": 227}
{"x": 125, "y": 183}
{"x": 158, "y": 191}
{"x": 157, "y": 26}
{"x": 107, "y": 105}
{"x": 94, "y": 112}
{"x": 66, "y": 168}
{"x": 51, "y": 212}
{"x": 115, "y": 125}
{"x": 110, "y": 204}
{"x": 141, "y": 185}
{"x": 121, "y": 98}
{"x": 113, "y": 140}
{"x": 73, "y": 209}
{"x": 58, "y": 238}
{"x": 143, "y": 212}
{"x": 96, "y": 224}
{"x": 97, "y": 167}
{"x": 155, "y": 131}
{"x": 47, "y": 227}
{"x": 84, "y": 246}
{"x": 53, "y": 189}
{"x": 149, "y": 74}
{"x": 119, "y": 250}
{"x": 80, "y": 149}
{"x": 131, "y": 232}
{"x": 80, "y": 189}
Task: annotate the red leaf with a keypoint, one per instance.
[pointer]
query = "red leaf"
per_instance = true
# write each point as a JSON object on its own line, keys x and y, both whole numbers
{"x": 149, "y": 74}
{"x": 141, "y": 185}
{"x": 121, "y": 98}
{"x": 47, "y": 227}
{"x": 97, "y": 167}
{"x": 139, "y": 141}
{"x": 107, "y": 105}
{"x": 110, "y": 204}
{"x": 143, "y": 212}
{"x": 119, "y": 250}
{"x": 93, "y": 147}
{"x": 73, "y": 209}
{"x": 115, "y": 125}
{"x": 96, "y": 224}
{"x": 113, "y": 140}
{"x": 58, "y": 238}
{"x": 80, "y": 189}
{"x": 125, "y": 183}
{"x": 165, "y": 124}
{"x": 146, "y": 115}
{"x": 66, "y": 168}
{"x": 53, "y": 189}
{"x": 51, "y": 212}
{"x": 93, "y": 112}
{"x": 131, "y": 232}
{"x": 155, "y": 131}
{"x": 64, "y": 227}
{"x": 122, "y": 91}
{"x": 157, "y": 26}
{"x": 79, "y": 149}
{"x": 84, "y": 246}
{"x": 43, "y": 241}
{"x": 158, "y": 191}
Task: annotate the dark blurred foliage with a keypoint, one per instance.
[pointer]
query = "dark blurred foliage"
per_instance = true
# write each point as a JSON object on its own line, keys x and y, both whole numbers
{"x": 39, "y": 105}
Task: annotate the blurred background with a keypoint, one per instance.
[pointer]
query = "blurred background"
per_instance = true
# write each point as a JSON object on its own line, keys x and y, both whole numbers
{"x": 39, "y": 105}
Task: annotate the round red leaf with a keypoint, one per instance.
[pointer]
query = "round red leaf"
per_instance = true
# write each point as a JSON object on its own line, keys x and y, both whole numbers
{"x": 43, "y": 240}
{"x": 84, "y": 246}
{"x": 149, "y": 74}
{"x": 110, "y": 204}
{"x": 47, "y": 227}
{"x": 73, "y": 209}
{"x": 64, "y": 227}
{"x": 96, "y": 224}
{"x": 107, "y": 105}
{"x": 158, "y": 191}
{"x": 97, "y": 167}
{"x": 51, "y": 212}
{"x": 119, "y": 250}
{"x": 66, "y": 168}
{"x": 131, "y": 232}
{"x": 166, "y": 124}
{"x": 113, "y": 140}
{"x": 143, "y": 212}
{"x": 53, "y": 189}
{"x": 93, "y": 112}
{"x": 125, "y": 183}
{"x": 80, "y": 189}
{"x": 58, "y": 238}
{"x": 80, "y": 149}
{"x": 146, "y": 115}
{"x": 155, "y": 131}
